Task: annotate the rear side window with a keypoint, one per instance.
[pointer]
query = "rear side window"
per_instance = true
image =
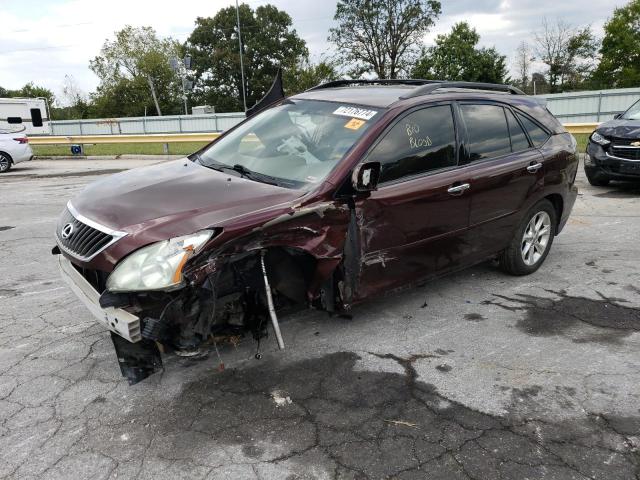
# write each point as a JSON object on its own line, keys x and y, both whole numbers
{"x": 422, "y": 141}
{"x": 487, "y": 131}
{"x": 519, "y": 140}
{"x": 537, "y": 135}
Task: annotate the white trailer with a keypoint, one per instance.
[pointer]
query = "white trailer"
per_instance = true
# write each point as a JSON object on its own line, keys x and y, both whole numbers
{"x": 30, "y": 115}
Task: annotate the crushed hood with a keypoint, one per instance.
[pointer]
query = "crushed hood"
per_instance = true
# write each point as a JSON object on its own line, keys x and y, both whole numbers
{"x": 621, "y": 129}
{"x": 176, "y": 198}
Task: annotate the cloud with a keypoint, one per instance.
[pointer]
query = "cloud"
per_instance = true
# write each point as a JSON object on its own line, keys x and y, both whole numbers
{"x": 43, "y": 40}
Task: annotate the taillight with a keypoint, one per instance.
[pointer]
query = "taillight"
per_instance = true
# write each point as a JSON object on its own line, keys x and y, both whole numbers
{"x": 22, "y": 140}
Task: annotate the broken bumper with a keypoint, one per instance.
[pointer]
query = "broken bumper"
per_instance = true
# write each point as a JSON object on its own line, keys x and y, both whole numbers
{"x": 117, "y": 320}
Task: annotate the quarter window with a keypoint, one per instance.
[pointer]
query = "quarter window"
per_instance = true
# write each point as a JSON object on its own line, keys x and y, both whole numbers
{"x": 519, "y": 140}
{"x": 422, "y": 141}
{"x": 487, "y": 131}
{"x": 537, "y": 135}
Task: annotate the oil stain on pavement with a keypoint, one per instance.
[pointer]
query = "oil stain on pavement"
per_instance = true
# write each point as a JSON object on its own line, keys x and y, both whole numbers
{"x": 606, "y": 319}
{"x": 363, "y": 424}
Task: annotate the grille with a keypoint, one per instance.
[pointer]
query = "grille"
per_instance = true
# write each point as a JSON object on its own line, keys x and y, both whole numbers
{"x": 622, "y": 141}
{"x": 79, "y": 239}
{"x": 628, "y": 153}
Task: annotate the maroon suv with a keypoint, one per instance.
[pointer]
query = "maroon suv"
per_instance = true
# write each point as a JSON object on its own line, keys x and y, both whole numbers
{"x": 347, "y": 191}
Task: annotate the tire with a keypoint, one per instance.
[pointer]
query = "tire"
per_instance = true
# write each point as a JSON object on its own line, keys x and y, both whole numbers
{"x": 5, "y": 162}
{"x": 597, "y": 179}
{"x": 531, "y": 243}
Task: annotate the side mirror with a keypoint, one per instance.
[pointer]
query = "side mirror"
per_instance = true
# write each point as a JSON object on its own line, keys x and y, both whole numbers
{"x": 14, "y": 120}
{"x": 617, "y": 115}
{"x": 365, "y": 177}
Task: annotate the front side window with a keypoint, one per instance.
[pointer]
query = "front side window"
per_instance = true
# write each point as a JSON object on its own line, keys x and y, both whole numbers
{"x": 423, "y": 141}
{"x": 295, "y": 144}
{"x": 487, "y": 131}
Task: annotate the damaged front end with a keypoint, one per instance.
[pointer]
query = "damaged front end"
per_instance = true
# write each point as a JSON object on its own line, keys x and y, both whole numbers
{"x": 226, "y": 288}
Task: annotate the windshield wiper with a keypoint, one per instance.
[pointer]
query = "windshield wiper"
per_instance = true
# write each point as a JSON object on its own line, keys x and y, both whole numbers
{"x": 251, "y": 175}
{"x": 244, "y": 172}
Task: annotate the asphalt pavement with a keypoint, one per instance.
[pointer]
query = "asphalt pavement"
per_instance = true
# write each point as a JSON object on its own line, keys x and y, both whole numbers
{"x": 477, "y": 375}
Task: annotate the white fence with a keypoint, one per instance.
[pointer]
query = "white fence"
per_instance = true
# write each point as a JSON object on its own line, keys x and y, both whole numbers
{"x": 591, "y": 106}
{"x": 572, "y": 107}
{"x": 142, "y": 125}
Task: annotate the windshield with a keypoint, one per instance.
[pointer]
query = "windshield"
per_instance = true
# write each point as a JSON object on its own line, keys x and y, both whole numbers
{"x": 633, "y": 113}
{"x": 294, "y": 145}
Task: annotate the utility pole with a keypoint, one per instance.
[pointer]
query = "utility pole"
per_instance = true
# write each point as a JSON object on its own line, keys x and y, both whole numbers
{"x": 244, "y": 93}
{"x": 153, "y": 94}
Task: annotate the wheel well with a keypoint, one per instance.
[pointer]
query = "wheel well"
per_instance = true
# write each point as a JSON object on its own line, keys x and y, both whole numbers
{"x": 7, "y": 155}
{"x": 558, "y": 204}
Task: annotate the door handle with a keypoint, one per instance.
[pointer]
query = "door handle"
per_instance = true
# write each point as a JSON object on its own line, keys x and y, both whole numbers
{"x": 458, "y": 189}
{"x": 534, "y": 167}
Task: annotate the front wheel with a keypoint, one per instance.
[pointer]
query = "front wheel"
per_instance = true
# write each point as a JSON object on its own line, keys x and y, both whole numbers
{"x": 532, "y": 240}
{"x": 5, "y": 162}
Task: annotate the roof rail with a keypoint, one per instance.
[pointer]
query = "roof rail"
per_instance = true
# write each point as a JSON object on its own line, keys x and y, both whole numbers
{"x": 437, "y": 85}
{"x": 395, "y": 81}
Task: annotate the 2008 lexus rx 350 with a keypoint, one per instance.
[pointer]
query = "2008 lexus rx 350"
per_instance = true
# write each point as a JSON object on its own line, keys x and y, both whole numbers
{"x": 324, "y": 199}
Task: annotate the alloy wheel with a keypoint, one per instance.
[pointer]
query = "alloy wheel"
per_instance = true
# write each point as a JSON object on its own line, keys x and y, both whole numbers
{"x": 4, "y": 163}
{"x": 535, "y": 240}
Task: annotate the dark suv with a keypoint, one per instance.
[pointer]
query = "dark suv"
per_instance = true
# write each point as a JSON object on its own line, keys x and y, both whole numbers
{"x": 613, "y": 152}
{"x": 345, "y": 192}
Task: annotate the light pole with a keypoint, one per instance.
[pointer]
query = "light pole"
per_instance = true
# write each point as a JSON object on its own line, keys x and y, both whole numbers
{"x": 244, "y": 93}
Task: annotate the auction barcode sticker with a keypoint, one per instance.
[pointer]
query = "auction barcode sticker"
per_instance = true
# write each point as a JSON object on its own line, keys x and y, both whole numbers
{"x": 355, "y": 112}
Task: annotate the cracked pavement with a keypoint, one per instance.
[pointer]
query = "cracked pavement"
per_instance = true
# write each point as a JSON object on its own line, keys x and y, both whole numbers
{"x": 474, "y": 376}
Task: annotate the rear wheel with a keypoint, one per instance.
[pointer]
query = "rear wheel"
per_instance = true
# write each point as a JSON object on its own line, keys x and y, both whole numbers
{"x": 532, "y": 240}
{"x": 597, "y": 179}
{"x": 5, "y": 162}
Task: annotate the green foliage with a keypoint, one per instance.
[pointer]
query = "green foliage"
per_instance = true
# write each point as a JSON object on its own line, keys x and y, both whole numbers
{"x": 306, "y": 75}
{"x": 380, "y": 36}
{"x": 620, "y": 64}
{"x": 132, "y": 68}
{"x": 268, "y": 41}
{"x": 30, "y": 90}
{"x": 456, "y": 57}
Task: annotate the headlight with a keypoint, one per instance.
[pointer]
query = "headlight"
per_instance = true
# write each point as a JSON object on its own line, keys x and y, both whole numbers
{"x": 599, "y": 139}
{"x": 156, "y": 266}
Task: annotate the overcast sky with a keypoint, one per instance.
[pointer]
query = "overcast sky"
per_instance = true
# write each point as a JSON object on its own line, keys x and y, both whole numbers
{"x": 44, "y": 40}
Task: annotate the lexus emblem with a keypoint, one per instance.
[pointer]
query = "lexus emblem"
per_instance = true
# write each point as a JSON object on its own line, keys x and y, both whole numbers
{"x": 635, "y": 144}
{"x": 67, "y": 230}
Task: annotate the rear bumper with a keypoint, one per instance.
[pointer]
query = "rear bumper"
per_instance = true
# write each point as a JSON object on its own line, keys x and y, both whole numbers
{"x": 22, "y": 155}
{"x": 117, "y": 320}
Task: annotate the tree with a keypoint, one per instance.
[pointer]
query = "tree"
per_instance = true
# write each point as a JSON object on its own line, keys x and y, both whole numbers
{"x": 620, "y": 63}
{"x": 456, "y": 57}
{"x": 380, "y": 36}
{"x": 539, "y": 83}
{"x": 268, "y": 42}
{"x": 135, "y": 58}
{"x": 30, "y": 90}
{"x": 75, "y": 103}
{"x": 567, "y": 52}
{"x": 523, "y": 60}
{"x": 307, "y": 75}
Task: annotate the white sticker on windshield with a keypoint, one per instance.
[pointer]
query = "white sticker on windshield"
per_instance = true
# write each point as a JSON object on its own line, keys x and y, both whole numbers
{"x": 355, "y": 112}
